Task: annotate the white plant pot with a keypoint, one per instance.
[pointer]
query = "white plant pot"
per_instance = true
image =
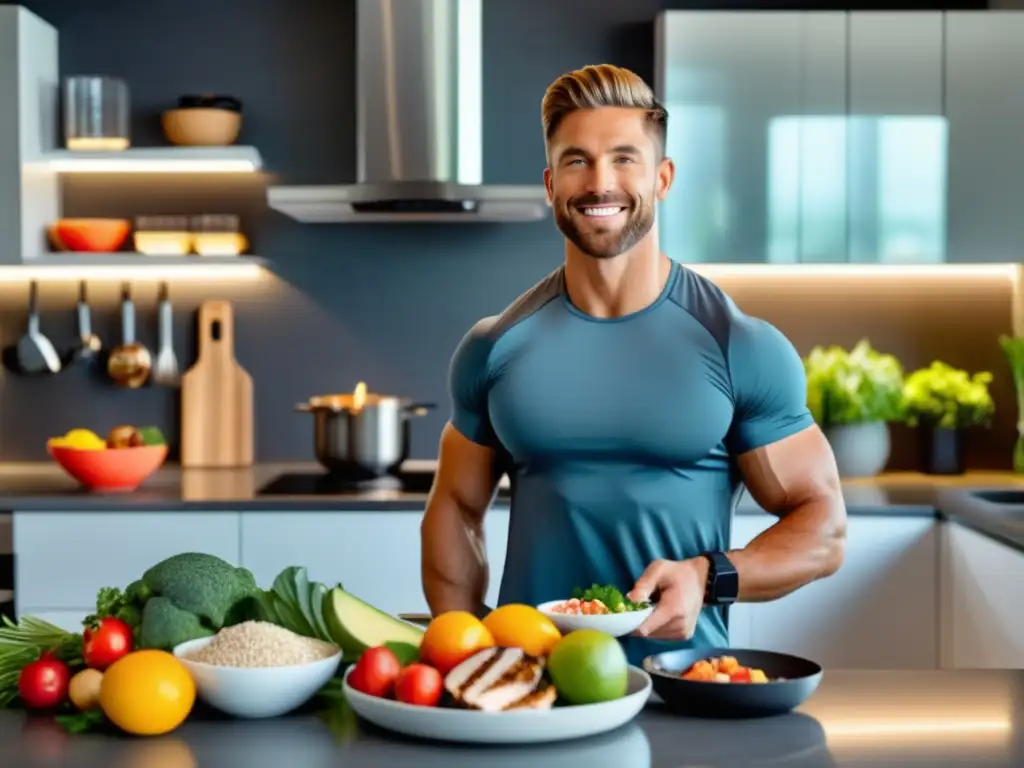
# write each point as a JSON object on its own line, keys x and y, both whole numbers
{"x": 861, "y": 450}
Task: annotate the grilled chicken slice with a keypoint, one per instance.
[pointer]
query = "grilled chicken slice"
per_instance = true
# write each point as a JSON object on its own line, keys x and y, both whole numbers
{"x": 498, "y": 679}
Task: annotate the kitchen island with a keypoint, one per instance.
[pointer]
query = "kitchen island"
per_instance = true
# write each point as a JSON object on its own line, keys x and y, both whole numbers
{"x": 930, "y": 578}
{"x": 937, "y": 718}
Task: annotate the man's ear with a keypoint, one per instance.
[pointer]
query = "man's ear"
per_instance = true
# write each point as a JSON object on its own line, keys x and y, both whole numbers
{"x": 548, "y": 186}
{"x": 666, "y": 175}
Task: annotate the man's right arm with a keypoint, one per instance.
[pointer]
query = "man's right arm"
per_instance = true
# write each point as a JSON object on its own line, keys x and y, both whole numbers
{"x": 453, "y": 556}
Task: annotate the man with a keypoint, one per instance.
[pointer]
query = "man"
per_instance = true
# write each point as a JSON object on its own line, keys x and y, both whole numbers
{"x": 628, "y": 399}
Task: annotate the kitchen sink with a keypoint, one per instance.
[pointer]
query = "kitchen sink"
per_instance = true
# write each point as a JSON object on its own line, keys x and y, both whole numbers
{"x": 1013, "y": 497}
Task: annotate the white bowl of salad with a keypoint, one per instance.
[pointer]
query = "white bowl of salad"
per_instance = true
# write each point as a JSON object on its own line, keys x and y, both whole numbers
{"x": 603, "y": 608}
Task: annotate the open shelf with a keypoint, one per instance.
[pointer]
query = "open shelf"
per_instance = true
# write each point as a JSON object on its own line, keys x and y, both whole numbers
{"x": 232, "y": 159}
{"x": 132, "y": 266}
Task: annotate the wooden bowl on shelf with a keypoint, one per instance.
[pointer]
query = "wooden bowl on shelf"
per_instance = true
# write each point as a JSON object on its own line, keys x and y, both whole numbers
{"x": 89, "y": 235}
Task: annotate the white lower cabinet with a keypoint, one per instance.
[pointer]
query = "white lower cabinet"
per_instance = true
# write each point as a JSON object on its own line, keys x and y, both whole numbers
{"x": 375, "y": 555}
{"x": 983, "y": 624}
{"x": 880, "y": 611}
{"x": 62, "y": 559}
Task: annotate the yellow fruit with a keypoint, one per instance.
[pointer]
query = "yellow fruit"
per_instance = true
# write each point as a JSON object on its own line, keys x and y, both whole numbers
{"x": 83, "y": 440}
{"x": 522, "y": 626}
{"x": 147, "y": 693}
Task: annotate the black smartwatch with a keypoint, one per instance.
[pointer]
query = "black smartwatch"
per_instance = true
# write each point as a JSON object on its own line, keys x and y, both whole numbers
{"x": 723, "y": 585}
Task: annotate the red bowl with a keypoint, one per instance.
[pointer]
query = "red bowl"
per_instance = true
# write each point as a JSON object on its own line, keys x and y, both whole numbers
{"x": 90, "y": 235}
{"x": 113, "y": 469}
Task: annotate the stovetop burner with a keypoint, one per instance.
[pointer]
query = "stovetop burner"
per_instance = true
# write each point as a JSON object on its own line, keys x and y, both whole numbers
{"x": 326, "y": 484}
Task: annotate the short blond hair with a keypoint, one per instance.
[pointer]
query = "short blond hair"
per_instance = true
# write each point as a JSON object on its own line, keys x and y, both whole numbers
{"x": 601, "y": 85}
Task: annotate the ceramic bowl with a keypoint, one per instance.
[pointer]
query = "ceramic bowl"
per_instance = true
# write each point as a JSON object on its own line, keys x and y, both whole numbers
{"x": 255, "y": 692}
{"x": 615, "y": 624}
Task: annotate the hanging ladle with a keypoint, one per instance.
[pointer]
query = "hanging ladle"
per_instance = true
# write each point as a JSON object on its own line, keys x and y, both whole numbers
{"x": 34, "y": 354}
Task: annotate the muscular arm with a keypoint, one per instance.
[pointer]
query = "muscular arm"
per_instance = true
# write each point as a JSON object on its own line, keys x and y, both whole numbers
{"x": 453, "y": 557}
{"x": 787, "y": 465}
{"x": 796, "y": 479}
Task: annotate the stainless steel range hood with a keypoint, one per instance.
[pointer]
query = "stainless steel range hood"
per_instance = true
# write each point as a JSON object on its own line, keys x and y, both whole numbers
{"x": 419, "y": 125}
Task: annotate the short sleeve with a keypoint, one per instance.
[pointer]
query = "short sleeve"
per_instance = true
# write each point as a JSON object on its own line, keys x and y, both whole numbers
{"x": 468, "y": 381}
{"x": 769, "y": 386}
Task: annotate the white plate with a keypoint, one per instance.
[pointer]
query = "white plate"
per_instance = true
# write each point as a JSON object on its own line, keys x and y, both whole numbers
{"x": 525, "y": 727}
{"x": 615, "y": 624}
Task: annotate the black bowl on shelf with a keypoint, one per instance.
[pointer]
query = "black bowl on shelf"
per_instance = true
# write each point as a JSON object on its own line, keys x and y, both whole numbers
{"x": 733, "y": 700}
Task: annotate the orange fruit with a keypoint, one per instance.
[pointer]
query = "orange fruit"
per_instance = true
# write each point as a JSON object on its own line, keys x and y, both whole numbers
{"x": 147, "y": 693}
{"x": 523, "y": 626}
{"x": 453, "y": 637}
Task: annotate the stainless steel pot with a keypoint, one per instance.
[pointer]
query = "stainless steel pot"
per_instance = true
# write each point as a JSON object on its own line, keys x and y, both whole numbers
{"x": 362, "y": 438}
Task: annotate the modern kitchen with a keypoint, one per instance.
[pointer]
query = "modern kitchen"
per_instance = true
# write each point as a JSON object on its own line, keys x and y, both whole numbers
{"x": 245, "y": 241}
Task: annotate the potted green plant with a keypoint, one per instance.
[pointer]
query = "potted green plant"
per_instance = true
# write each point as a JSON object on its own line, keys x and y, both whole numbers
{"x": 941, "y": 402}
{"x": 1013, "y": 348}
{"x": 853, "y": 395}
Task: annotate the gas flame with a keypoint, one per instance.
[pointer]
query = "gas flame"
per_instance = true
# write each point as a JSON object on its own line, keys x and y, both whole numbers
{"x": 359, "y": 396}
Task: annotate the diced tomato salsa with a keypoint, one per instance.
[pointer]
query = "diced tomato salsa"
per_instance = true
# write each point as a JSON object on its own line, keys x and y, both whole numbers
{"x": 723, "y": 669}
{"x": 581, "y": 607}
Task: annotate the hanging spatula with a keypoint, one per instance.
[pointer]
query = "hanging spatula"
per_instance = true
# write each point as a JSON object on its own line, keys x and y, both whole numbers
{"x": 165, "y": 367}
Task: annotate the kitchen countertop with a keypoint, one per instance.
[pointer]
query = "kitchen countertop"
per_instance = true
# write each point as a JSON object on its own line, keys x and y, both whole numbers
{"x": 935, "y": 718}
{"x": 43, "y": 486}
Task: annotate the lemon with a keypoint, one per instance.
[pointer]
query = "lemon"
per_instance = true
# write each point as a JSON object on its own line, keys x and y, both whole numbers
{"x": 523, "y": 626}
{"x": 83, "y": 440}
{"x": 147, "y": 693}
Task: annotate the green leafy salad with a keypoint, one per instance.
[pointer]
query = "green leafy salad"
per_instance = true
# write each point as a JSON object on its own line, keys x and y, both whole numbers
{"x": 613, "y": 599}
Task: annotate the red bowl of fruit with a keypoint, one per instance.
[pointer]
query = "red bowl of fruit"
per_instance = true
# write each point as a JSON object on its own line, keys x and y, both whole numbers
{"x": 90, "y": 235}
{"x": 122, "y": 464}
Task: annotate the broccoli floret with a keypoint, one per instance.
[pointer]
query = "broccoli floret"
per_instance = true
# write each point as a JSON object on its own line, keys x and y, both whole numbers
{"x": 164, "y": 625}
{"x": 200, "y": 584}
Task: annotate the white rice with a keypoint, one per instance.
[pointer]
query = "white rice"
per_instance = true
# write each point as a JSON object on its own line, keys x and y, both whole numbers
{"x": 261, "y": 644}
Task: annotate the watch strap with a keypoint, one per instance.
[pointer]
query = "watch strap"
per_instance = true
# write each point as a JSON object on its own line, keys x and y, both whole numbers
{"x": 723, "y": 585}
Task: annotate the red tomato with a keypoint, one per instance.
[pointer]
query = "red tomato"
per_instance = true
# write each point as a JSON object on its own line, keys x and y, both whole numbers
{"x": 105, "y": 643}
{"x": 43, "y": 684}
{"x": 741, "y": 675}
{"x": 376, "y": 672}
{"x": 419, "y": 684}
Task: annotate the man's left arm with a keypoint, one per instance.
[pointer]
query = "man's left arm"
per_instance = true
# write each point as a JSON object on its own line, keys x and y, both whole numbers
{"x": 796, "y": 479}
{"x": 789, "y": 470}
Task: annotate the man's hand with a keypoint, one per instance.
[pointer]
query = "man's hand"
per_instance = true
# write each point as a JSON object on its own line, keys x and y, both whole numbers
{"x": 679, "y": 587}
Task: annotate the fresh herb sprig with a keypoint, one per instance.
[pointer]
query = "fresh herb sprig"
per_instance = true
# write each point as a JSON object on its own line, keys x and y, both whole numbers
{"x": 23, "y": 642}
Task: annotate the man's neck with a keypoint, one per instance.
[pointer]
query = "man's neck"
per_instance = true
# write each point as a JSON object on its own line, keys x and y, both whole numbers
{"x": 627, "y": 283}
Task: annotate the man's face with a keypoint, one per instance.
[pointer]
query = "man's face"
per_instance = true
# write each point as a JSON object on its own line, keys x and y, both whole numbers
{"x": 604, "y": 178}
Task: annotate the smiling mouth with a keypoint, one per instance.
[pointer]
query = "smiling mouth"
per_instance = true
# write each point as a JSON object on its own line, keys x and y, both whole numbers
{"x": 601, "y": 212}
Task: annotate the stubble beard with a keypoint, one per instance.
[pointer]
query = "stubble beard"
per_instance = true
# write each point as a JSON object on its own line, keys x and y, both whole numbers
{"x": 599, "y": 241}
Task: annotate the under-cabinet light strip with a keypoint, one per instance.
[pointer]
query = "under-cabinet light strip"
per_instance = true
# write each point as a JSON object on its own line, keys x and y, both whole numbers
{"x": 62, "y": 272}
{"x": 130, "y": 165}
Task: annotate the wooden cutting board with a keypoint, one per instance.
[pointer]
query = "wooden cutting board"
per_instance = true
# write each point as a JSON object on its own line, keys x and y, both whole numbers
{"x": 216, "y": 396}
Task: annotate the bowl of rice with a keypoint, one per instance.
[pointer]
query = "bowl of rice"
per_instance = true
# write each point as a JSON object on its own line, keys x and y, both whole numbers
{"x": 257, "y": 669}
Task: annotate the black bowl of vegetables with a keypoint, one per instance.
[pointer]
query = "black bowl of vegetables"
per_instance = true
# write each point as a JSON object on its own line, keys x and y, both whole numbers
{"x": 732, "y": 683}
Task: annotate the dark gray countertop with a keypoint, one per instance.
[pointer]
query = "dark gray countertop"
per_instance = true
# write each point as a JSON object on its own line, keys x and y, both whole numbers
{"x": 939, "y": 718}
{"x": 43, "y": 486}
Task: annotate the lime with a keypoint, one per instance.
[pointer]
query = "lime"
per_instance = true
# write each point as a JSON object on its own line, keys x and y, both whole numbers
{"x": 588, "y": 666}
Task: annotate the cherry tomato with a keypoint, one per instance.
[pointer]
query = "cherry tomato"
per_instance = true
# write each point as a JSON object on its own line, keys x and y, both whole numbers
{"x": 105, "y": 643}
{"x": 376, "y": 672}
{"x": 43, "y": 684}
{"x": 419, "y": 684}
{"x": 741, "y": 675}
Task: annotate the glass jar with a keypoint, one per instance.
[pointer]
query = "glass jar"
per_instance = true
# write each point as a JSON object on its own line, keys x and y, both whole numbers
{"x": 96, "y": 113}
{"x": 162, "y": 235}
{"x": 217, "y": 235}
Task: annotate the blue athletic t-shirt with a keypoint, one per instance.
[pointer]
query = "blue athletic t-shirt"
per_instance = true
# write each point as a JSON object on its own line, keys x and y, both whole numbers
{"x": 620, "y": 435}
